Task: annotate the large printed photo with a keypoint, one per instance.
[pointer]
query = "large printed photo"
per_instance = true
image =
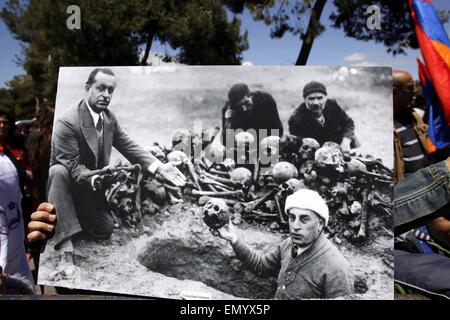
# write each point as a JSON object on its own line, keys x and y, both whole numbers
{"x": 223, "y": 182}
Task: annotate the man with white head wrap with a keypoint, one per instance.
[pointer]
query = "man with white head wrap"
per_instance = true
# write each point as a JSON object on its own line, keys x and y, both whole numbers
{"x": 307, "y": 264}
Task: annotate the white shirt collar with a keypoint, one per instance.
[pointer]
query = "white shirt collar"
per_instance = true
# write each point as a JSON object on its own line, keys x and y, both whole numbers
{"x": 321, "y": 120}
{"x": 301, "y": 250}
{"x": 95, "y": 115}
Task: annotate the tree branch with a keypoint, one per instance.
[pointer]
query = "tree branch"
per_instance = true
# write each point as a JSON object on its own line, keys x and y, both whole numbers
{"x": 310, "y": 33}
{"x": 148, "y": 46}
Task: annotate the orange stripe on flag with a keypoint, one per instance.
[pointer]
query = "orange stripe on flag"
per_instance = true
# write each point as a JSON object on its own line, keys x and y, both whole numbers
{"x": 443, "y": 50}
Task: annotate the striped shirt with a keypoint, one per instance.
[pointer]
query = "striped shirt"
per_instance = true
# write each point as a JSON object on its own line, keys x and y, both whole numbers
{"x": 414, "y": 157}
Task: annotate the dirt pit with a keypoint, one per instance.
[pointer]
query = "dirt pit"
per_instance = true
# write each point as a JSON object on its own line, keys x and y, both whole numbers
{"x": 205, "y": 260}
{"x": 175, "y": 256}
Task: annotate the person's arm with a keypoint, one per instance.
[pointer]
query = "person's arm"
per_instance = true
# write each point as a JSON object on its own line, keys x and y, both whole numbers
{"x": 440, "y": 230}
{"x": 136, "y": 154}
{"x": 421, "y": 195}
{"x": 272, "y": 117}
{"x": 263, "y": 265}
{"x": 343, "y": 120}
{"x": 295, "y": 127}
{"x": 130, "y": 149}
{"x": 227, "y": 116}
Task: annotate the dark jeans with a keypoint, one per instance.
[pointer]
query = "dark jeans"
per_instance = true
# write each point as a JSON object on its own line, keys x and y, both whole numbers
{"x": 77, "y": 208}
{"x": 421, "y": 194}
{"x": 425, "y": 272}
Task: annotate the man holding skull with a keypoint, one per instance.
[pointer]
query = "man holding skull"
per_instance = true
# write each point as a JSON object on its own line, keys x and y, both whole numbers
{"x": 307, "y": 264}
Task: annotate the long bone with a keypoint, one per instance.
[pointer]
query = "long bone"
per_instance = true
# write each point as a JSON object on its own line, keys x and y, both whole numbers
{"x": 237, "y": 193}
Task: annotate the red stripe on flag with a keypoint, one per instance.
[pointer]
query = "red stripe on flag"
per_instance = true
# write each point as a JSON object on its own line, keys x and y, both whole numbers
{"x": 438, "y": 70}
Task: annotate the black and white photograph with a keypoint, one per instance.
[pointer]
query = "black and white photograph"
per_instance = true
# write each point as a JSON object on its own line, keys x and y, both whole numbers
{"x": 249, "y": 182}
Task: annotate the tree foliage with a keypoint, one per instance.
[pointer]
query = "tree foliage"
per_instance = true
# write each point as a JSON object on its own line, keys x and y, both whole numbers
{"x": 115, "y": 32}
{"x": 397, "y": 29}
{"x": 19, "y": 95}
{"x": 283, "y": 16}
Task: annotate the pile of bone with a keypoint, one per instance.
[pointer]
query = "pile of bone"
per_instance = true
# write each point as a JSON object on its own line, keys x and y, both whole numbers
{"x": 120, "y": 186}
{"x": 352, "y": 184}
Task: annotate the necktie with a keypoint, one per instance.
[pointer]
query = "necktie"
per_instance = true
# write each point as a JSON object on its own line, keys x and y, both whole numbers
{"x": 99, "y": 128}
{"x": 294, "y": 251}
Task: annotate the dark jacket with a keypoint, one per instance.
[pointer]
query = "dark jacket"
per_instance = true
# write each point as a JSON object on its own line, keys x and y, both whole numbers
{"x": 319, "y": 272}
{"x": 75, "y": 143}
{"x": 263, "y": 116}
{"x": 337, "y": 124}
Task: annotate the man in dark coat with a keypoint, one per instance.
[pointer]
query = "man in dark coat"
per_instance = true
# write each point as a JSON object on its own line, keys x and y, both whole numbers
{"x": 247, "y": 109}
{"x": 82, "y": 141}
{"x": 322, "y": 119}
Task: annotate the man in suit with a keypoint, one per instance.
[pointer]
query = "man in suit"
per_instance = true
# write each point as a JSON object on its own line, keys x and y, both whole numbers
{"x": 322, "y": 119}
{"x": 82, "y": 142}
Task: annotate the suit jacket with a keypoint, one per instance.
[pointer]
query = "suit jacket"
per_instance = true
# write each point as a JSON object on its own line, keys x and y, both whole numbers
{"x": 75, "y": 143}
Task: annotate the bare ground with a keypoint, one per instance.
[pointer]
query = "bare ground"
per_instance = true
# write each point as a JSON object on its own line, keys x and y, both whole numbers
{"x": 176, "y": 257}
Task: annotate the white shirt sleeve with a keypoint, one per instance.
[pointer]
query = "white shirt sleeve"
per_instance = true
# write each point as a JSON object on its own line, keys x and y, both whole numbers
{"x": 154, "y": 166}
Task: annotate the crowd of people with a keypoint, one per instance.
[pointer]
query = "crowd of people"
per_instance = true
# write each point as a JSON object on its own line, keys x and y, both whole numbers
{"x": 421, "y": 210}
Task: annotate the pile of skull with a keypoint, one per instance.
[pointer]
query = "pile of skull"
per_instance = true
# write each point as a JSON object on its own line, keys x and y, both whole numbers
{"x": 352, "y": 184}
{"x": 121, "y": 187}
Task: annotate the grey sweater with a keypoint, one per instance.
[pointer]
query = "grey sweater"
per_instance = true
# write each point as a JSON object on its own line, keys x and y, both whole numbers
{"x": 320, "y": 272}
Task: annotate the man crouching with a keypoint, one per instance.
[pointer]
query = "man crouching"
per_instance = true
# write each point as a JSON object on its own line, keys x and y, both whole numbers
{"x": 308, "y": 265}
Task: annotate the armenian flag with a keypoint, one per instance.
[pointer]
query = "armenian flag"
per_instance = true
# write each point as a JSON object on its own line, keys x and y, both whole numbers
{"x": 435, "y": 47}
{"x": 438, "y": 129}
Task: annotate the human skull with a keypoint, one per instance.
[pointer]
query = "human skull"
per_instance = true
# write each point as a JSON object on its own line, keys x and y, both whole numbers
{"x": 354, "y": 165}
{"x": 330, "y": 155}
{"x": 283, "y": 171}
{"x": 156, "y": 191}
{"x": 270, "y": 145}
{"x": 180, "y": 136}
{"x": 216, "y": 213}
{"x": 244, "y": 138}
{"x": 331, "y": 144}
{"x": 229, "y": 164}
{"x": 338, "y": 190}
{"x": 157, "y": 152}
{"x": 293, "y": 185}
{"x": 177, "y": 157}
{"x": 356, "y": 207}
{"x": 241, "y": 176}
{"x": 308, "y": 148}
{"x": 125, "y": 205}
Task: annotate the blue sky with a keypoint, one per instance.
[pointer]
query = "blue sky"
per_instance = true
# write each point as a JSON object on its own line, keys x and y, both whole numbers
{"x": 331, "y": 48}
